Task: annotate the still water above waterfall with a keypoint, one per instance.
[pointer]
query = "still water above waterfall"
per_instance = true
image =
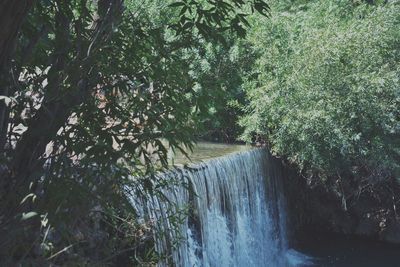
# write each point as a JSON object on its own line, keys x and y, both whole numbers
{"x": 204, "y": 151}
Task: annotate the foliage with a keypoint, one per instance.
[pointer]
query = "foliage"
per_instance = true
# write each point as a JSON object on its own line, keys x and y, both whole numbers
{"x": 327, "y": 93}
{"x": 98, "y": 91}
{"x": 218, "y": 73}
{"x": 211, "y": 18}
{"x": 92, "y": 90}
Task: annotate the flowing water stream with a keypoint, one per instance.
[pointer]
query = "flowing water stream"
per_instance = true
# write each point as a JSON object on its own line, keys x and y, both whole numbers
{"x": 236, "y": 214}
{"x": 230, "y": 211}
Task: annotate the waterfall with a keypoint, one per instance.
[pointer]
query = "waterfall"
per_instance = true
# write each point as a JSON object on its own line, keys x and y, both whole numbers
{"x": 231, "y": 213}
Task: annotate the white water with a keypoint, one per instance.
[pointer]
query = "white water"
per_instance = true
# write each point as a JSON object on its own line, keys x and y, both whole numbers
{"x": 236, "y": 215}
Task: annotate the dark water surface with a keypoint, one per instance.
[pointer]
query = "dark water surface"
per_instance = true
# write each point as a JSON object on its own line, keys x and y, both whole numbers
{"x": 347, "y": 251}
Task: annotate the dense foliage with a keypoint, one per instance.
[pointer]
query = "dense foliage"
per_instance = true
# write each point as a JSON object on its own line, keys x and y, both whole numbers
{"x": 327, "y": 96}
{"x": 219, "y": 76}
{"x": 93, "y": 93}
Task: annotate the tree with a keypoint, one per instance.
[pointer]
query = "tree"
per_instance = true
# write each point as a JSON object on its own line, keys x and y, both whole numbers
{"x": 12, "y": 15}
{"x": 91, "y": 86}
{"x": 326, "y": 95}
{"x": 219, "y": 73}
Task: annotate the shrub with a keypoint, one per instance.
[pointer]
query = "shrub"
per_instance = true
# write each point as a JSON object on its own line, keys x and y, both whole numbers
{"x": 327, "y": 94}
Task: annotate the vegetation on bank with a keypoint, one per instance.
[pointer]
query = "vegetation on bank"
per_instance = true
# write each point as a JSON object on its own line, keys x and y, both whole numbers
{"x": 327, "y": 93}
{"x": 326, "y": 98}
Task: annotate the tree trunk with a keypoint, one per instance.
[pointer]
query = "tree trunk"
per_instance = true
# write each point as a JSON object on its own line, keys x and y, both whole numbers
{"x": 12, "y": 14}
{"x": 55, "y": 109}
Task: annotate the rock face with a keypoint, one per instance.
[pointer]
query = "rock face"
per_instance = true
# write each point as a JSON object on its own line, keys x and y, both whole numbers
{"x": 342, "y": 208}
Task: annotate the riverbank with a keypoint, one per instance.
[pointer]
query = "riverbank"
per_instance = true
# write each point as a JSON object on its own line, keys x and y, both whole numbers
{"x": 342, "y": 207}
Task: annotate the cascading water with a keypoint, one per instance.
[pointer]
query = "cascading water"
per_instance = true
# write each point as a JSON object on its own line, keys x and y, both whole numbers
{"x": 234, "y": 214}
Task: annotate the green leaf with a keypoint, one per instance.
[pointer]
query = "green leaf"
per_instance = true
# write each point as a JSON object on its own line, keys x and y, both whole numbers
{"x": 32, "y": 195}
{"x": 177, "y": 4}
{"x": 28, "y": 215}
{"x": 7, "y": 100}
